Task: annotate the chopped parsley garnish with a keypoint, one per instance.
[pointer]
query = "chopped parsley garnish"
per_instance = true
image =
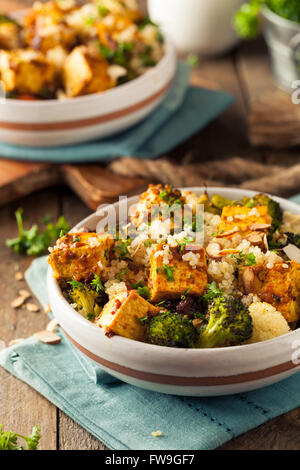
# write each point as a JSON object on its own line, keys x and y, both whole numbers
{"x": 142, "y": 290}
{"x": 169, "y": 272}
{"x": 121, "y": 248}
{"x": 147, "y": 243}
{"x": 183, "y": 296}
{"x": 106, "y": 252}
{"x": 143, "y": 320}
{"x": 32, "y": 242}
{"x": 212, "y": 292}
{"x": 77, "y": 239}
{"x": 244, "y": 259}
{"x": 121, "y": 274}
{"x": 118, "y": 56}
{"x": 75, "y": 284}
{"x": 97, "y": 284}
{"x": 103, "y": 11}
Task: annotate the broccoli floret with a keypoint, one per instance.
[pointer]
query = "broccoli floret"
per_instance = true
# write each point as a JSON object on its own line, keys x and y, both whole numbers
{"x": 293, "y": 239}
{"x": 219, "y": 202}
{"x": 229, "y": 324}
{"x": 85, "y": 299}
{"x": 274, "y": 209}
{"x": 246, "y": 20}
{"x": 173, "y": 330}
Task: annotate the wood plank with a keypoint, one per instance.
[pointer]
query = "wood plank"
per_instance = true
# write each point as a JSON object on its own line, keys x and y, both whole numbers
{"x": 23, "y": 406}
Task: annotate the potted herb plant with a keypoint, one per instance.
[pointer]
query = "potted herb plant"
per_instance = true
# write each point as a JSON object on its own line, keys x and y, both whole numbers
{"x": 281, "y": 28}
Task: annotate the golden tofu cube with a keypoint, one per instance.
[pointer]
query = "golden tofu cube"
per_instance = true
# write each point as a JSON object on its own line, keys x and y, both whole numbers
{"x": 26, "y": 71}
{"x": 156, "y": 195}
{"x": 84, "y": 74}
{"x": 185, "y": 271}
{"x": 122, "y": 314}
{"x": 80, "y": 256}
{"x": 46, "y": 26}
{"x": 278, "y": 286}
{"x": 243, "y": 218}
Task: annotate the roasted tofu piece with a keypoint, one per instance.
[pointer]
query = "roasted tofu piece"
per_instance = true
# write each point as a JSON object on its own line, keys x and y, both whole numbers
{"x": 122, "y": 314}
{"x": 9, "y": 33}
{"x": 156, "y": 195}
{"x": 25, "y": 71}
{"x": 80, "y": 256}
{"x": 46, "y": 26}
{"x": 84, "y": 73}
{"x": 245, "y": 219}
{"x": 278, "y": 285}
{"x": 186, "y": 270}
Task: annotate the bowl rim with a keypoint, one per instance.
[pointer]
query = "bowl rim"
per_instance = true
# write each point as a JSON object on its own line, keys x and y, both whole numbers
{"x": 86, "y": 99}
{"x": 279, "y": 20}
{"x": 151, "y": 348}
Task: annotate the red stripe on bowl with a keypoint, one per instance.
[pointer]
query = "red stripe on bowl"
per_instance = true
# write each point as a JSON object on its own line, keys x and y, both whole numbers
{"x": 186, "y": 381}
{"x": 64, "y": 125}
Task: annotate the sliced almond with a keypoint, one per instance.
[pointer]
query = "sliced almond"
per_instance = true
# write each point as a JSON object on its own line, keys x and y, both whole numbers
{"x": 32, "y": 307}
{"x": 47, "y": 337}
{"x": 52, "y": 326}
{"x": 248, "y": 278}
{"x": 17, "y": 302}
{"x": 258, "y": 227}
{"x": 213, "y": 250}
{"x": 47, "y": 308}
{"x": 293, "y": 252}
{"x": 229, "y": 251}
{"x": 229, "y": 233}
{"x": 265, "y": 241}
{"x": 197, "y": 321}
{"x": 255, "y": 238}
{"x": 24, "y": 293}
{"x": 19, "y": 276}
{"x": 156, "y": 433}
{"x": 15, "y": 341}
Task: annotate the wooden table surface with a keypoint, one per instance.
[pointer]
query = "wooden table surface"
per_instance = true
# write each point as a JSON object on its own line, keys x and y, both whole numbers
{"x": 243, "y": 73}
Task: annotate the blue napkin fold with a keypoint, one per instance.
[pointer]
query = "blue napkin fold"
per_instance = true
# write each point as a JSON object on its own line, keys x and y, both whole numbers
{"x": 183, "y": 112}
{"x": 123, "y": 416}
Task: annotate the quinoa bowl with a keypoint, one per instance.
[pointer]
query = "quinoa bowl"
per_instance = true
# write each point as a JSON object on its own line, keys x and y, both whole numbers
{"x": 204, "y": 371}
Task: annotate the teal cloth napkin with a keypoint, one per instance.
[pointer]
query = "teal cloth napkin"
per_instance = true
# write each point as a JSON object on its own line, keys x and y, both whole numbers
{"x": 183, "y": 112}
{"x": 123, "y": 416}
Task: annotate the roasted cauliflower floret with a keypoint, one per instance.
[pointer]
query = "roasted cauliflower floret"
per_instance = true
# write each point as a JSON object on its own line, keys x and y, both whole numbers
{"x": 9, "y": 33}
{"x": 126, "y": 315}
{"x": 184, "y": 271}
{"x": 25, "y": 71}
{"x": 278, "y": 285}
{"x": 245, "y": 219}
{"x": 267, "y": 322}
{"x": 80, "y": 256}
{"x": 84, "y": 73}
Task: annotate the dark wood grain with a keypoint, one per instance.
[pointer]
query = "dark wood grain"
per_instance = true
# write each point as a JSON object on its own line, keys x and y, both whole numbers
{"x": 23, "y": 407}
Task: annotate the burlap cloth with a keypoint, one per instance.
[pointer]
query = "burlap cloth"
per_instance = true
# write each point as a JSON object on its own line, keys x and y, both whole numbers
{"x": 234, "y": 172}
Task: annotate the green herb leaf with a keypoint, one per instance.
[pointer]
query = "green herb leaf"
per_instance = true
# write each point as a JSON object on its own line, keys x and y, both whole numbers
{"x": 169, "y": 272}
{"x": 9, "y": 439}
{"x": 97, "y": 285}
{"x": 212, "y": 292}
{"x": 76, "y": 284}
{"x": 33, "y": 242}
{"x": 142, "y": 290}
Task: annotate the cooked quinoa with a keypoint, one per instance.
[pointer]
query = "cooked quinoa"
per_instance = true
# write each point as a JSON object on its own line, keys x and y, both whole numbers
{"x": 242, "y": 274}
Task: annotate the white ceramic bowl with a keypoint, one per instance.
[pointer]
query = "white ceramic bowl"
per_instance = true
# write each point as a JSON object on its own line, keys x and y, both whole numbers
{"x": 54, "y": 123}
{"x": 192, "y": 372}
{"x": 200, "y": 26}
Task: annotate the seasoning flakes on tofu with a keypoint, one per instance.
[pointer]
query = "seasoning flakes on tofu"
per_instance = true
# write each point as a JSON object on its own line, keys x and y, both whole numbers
{"x": 155, "y": 282}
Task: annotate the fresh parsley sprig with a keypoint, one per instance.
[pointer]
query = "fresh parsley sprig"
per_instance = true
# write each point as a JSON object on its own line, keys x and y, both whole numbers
{"x": 9, "y": 439}
{"x": 34, "y": 242}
